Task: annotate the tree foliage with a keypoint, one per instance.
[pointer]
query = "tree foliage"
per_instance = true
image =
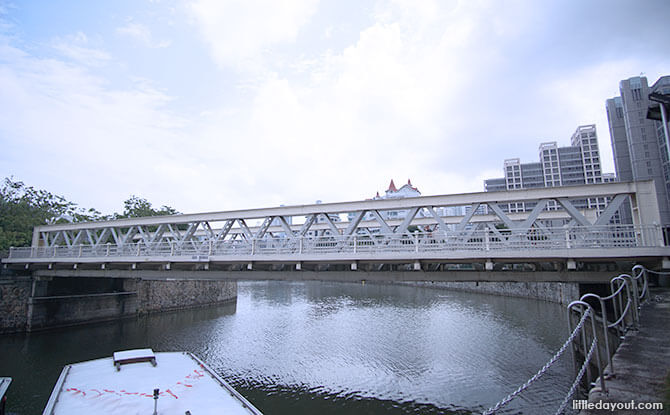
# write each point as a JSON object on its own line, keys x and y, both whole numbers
{"x": 136, "y": 207}
{"x": 23, "y": 207}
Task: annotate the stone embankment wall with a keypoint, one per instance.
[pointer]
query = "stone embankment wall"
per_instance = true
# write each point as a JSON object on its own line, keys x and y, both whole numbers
{"x": 163, "y": 295}
{"x": 28, "y": 304}
{"x": 14, "y": 295}
{"x": 556, "y": 292}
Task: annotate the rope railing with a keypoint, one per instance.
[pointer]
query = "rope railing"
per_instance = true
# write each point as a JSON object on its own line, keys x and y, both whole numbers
{"x": 542, "y": 371}
{"x": 627, "y": 293}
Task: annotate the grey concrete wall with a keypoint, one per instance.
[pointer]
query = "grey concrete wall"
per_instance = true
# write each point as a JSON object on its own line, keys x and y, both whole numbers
{"x": 556, "y": 292}
{"x": 14, "y": 295}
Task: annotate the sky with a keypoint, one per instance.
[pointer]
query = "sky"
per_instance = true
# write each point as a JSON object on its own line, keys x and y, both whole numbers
{"x": 210, "y": 105}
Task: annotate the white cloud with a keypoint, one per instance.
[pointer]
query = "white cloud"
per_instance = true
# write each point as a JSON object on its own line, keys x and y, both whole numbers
{"x": 437, "y": 92}
{"x": 239, "y": 31}
{"x": 75, "y": 47}
{"x": 64, "y": 129}
{"x": 142, "y": 34}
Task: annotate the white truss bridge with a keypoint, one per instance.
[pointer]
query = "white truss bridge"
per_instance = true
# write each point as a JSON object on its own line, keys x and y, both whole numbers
{"x": 484, "y": 230}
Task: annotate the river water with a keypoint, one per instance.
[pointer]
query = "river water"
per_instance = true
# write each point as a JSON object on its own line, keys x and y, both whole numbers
{"x": 332, "y": 348}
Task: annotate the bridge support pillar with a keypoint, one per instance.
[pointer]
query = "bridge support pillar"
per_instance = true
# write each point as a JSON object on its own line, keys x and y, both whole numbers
{"x": 102, "y": 266}
{"x": 572, "y": 265}
{"x": 665, "y": 263}
{"x": 167, "y": 266}
{"x": 417, "y": 266}
{"x": 354, "y": 266}
{"x": 298, "y": 266}
{"x": 488, "y": 265}
{"x": 250, "y": 266}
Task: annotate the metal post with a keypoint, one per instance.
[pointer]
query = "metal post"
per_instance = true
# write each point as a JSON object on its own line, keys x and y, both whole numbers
{"x": 210, "y": 247}
{"x": 138, "y": 249}
{"x": 107, "y": 251}
{"x": 664, "y": 118}
{"x": 567, "y": 238}
{"x": 302, "y": 238}
{"x": 355, "y": 243}
{"x": 80, "y": 248}
{"x": 253, "y": 246}
{"x": 486, "y": 239}
{"x": 416, "y": 242}
{"x": 171, "y": 248}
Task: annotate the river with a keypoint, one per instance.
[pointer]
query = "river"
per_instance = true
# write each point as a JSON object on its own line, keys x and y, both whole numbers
{"x": 331, "y": 348}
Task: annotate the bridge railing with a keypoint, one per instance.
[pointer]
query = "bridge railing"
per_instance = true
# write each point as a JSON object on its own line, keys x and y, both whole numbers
{"x": 535, "y": 239}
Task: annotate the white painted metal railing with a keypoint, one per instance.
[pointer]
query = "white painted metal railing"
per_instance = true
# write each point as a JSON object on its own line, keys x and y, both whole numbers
{"x": 408, "y": 244}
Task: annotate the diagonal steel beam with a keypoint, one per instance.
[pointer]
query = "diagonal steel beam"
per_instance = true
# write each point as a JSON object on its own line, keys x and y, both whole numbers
{"x": 115, "y": 235}
{"x": 353, "y": 225}
{"x": 66, "y": 237}
{"x": 192, "y": 227}
{"x": 287, "y": 228}
{"x": 499, "y": 213}
{"x": 610, "y": 210}
{"x": 91, "y": 235}
{"x": 385, "y": 228}
{"x": 264, "y": 227}
{"x": 467, "y": 217}
{"x": 309, "y": 221}
{"x": 78, "y": 237}
{"x": 411, "y": 213}
{"x": 534, "y": 214}
{"x": 438, "y": 219}
{"x": 224, "y": 231}
{"x": 174, "y": 232}
{"x": 159, "y": 233}
{"x": 572, "y": 211}
{"x": 333, "y": 228}
{"x": 128, "y": 237}
{"x": 245, "y": 229}
{"x": 208, "y": 230}
{"x": 144, "y": 236}
{"x": 103, "y": 236}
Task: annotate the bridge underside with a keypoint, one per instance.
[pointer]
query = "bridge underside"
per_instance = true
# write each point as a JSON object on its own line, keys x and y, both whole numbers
{"x": 601, "y": 273}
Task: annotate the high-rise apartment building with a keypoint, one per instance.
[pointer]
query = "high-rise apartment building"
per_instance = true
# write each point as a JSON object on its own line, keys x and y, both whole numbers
{"x": 576, "y": 164}
{"x": 639, "y": 143}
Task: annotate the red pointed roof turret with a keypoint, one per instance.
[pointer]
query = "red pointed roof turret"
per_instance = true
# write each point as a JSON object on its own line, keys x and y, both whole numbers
{"x": 409, "y": 182}
{"x": 392, "y": 187}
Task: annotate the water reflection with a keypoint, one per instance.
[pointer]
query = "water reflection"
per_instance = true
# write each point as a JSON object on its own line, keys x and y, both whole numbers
{"x": 315, "y": 347}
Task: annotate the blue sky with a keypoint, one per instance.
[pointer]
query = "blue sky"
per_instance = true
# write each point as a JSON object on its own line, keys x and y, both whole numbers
{"x": 213, "y": 105}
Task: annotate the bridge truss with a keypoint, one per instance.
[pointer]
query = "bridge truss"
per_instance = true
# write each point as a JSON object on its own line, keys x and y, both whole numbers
{"x": 552, "y": 223}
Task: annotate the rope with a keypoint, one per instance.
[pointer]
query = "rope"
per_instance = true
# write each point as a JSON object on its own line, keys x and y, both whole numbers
{"x": 541, "y": 372}
{"x": 658, "y": 272}
{"x": 573, "y": 388}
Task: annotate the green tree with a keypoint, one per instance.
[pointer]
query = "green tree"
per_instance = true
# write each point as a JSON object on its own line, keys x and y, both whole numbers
{"x": 24, "y": 207}
{"x": 136, "y": 207}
